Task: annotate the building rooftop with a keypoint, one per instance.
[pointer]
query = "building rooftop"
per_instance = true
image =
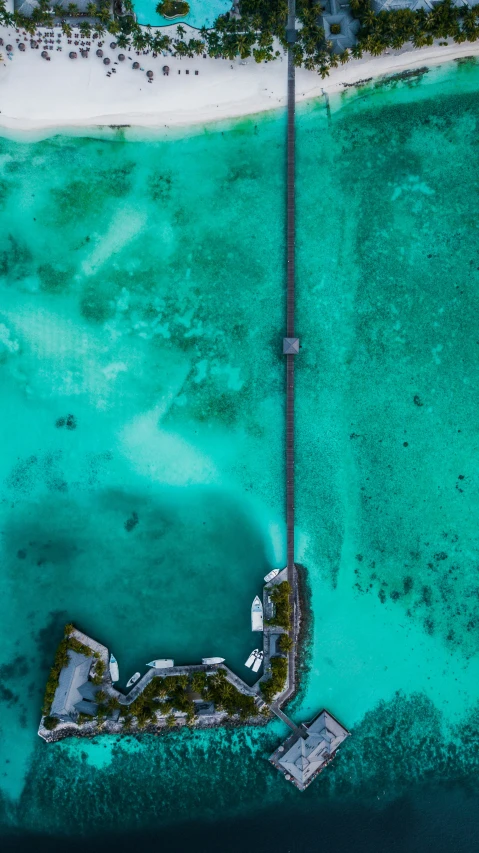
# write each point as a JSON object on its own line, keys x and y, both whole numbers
{"x": 303, "y": 755}
{"x": 72, "y": 677}
{"x": 290, "y": 346}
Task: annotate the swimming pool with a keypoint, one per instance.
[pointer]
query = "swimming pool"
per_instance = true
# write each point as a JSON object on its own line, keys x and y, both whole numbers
{"x": 202, "y": 13}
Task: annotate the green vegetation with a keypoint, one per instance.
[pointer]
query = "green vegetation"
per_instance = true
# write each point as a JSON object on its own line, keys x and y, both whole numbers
{"x": 61, "y": 660}
{"x": 285, "y": 643}
{"x": 50, "y": 723}
{"x": 172, "y": 690}
{"x": 261, "y": 22}
{"x": 276, "y": 683}
{"x": 173, "y": 8}
{"x": 226, "y": 697}
{"x": 98, "y": 670}
{"x": 280, "y": 596}
{"x": 83, "y": 718}
{"x": 166, "y": 695}
{"x": 398, "y": 26}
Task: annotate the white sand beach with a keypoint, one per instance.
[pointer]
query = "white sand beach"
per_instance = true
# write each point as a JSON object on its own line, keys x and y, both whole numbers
{"x": 36, "y": 94}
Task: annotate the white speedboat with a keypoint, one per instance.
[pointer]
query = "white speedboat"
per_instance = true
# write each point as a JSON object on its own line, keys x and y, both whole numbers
{"x": 212, "y": 661}
{"x": 258, "y": 661}
{"x": 134, "y": 678}
{"x": 161, "y": 663}
{"x": 114, "y": 671}
{"x": 249, "y": 663}
{"x": 256, "y": 615}
{"x": 271, "y": 575}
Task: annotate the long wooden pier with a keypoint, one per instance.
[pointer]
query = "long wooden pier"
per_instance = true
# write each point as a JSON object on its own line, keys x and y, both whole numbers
{"x": 290, "y": 237}
{"x": 291, "y": 344}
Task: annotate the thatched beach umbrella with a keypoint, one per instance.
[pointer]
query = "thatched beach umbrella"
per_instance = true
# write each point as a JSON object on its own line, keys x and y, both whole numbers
{"x": 9, "y": 48}
{"x": 84, "y": 53}
{"x": 44, "y": 54}
{"x": 72, "y": 54}
{"x": 166, "y": 70}
{"x": 99, "y": 53}
{"x": 150, "y": 75}
{"x": 135, "y": 65}
{"x": 113, "y": 45}
{"x": 33, "y": 43}
{"x": 1, "y": 42}
{"x": 121, "y": 57}
{"x": 21, "y": 46}
{"x": 106, "y": 61}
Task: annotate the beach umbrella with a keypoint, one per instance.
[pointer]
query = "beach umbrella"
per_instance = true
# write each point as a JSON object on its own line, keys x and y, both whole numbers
{"x": 33, "y": 43}
{"x": 99, "y": 53}
{"x": 166, "y": 69}
{"x": 121, "y": 57}
{"x": 72, "y": 54}
{"x": 9, "y": 48}
{"x": 84, "y": 53}
{"x": 106, "y": 61}
{"x": 113, "y": 45}
{"x": 21, "y": 46}
{"x": 1, "y": 42}
{"x": 136, "y": 65}
{"x": 150, "y": 75}
{"x": 44, "y": 54}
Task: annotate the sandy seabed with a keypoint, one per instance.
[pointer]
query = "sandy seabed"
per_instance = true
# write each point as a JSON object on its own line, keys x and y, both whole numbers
{"x": 36, "y": 94}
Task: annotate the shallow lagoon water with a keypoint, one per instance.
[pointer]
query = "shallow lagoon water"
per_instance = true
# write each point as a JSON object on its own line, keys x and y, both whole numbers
{"x": 159, "y": 334}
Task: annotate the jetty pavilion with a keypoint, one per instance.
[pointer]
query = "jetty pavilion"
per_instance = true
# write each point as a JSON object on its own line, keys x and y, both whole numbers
{"x": 306, "y": 752}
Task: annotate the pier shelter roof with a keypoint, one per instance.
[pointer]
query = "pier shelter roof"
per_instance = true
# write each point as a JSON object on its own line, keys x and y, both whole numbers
{"x": 72, "y": 678}
{"x": 304, "y": 755}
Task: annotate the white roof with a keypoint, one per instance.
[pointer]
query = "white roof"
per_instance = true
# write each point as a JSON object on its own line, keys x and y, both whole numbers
{"x": 308, "y": 754}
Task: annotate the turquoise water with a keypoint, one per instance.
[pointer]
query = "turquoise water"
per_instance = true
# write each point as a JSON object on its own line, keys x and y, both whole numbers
{"x": 142, "y": 293}
{"x": 203, "y": 13}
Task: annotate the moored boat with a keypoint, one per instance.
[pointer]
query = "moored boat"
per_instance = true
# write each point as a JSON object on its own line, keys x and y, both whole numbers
{"x": 256, "y": 615}
{"x": 271, "y": 575}
{"x": 212, "y": 661}
{"x": 134, "y": 678}
{"x": 258, "y": 661}
{"x": 114, "y": 671}
{"x": 161, "y": 663}
{"x": 249, "y": 663}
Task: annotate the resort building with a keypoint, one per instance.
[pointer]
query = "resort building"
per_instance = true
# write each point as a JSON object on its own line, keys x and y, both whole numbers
{"x": 71, "y": 685}
{"x": 339, "y": 25}
{"x": 303, "y": 755}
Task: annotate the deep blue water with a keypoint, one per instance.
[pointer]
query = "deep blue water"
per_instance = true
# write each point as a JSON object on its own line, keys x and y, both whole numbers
{"x": 425, "y": 821}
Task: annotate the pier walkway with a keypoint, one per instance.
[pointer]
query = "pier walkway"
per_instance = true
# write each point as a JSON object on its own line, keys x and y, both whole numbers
{"x": 291, "y": 344}
{"x": 300, "y": 732}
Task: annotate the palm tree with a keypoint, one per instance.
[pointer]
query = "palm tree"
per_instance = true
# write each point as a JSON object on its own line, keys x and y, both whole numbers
{"x": 113, "y": 26}
{"x": 66, "y": 29}
{"x": 91, "y": 9}
{"x": 180, "y": 31}
{"x": 72, "y": 9}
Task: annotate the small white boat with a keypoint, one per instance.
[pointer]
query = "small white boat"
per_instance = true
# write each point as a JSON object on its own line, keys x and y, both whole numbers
{"x": 114, "y": 671}
{"x": 249, "y": 663}
{"x": 212, "y": 661}
{"x": 256, "y": 615}
{"x": 134, "y": 678}
{"x": 271, "y": 575}
{"x": 258, "y": 661}
{"x": 161, "y": 663}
